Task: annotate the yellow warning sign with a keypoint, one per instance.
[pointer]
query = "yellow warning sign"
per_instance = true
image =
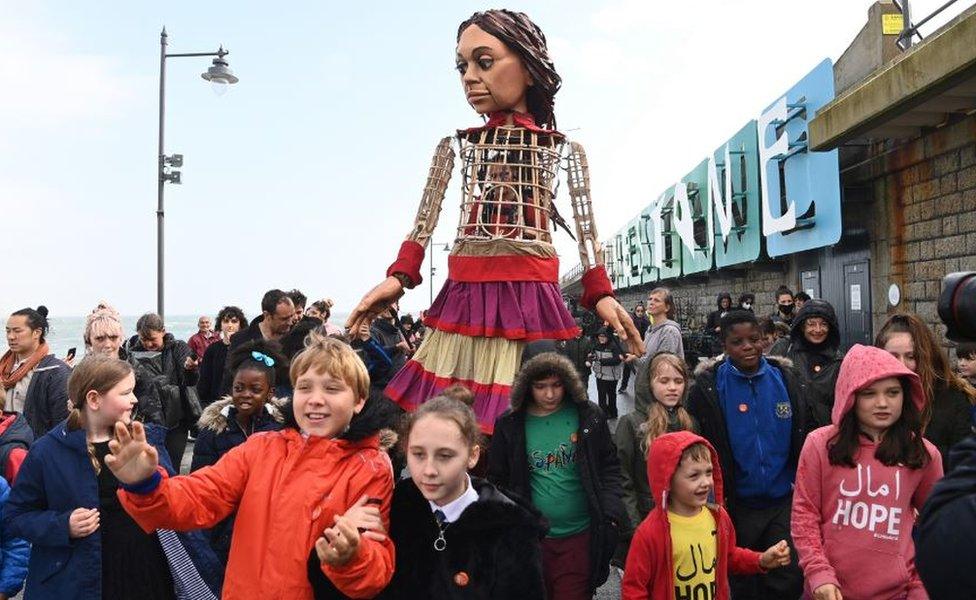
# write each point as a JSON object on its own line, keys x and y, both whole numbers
{"x": 892, "y": 24}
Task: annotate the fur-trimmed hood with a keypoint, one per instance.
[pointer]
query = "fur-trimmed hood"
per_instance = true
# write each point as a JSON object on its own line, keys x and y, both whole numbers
{"x": 710, "y": 364}
{"x": 545, "y": 365}
{"x": 215, "y": 416}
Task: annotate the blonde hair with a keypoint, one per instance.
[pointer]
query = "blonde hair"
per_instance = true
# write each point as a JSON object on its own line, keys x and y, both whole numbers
{"x": 657, "y": 414}
{"x": 103, "y": 320}
{"x": 335, "y": 357}
{"x": 97, "y": 373}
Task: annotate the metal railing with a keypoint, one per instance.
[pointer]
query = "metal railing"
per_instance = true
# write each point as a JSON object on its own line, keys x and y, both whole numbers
{"x": 906, "y": 37}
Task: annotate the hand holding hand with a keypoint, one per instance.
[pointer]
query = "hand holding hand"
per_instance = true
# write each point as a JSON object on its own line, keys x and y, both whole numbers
{"x": 828, "y": 591}
{"x": 775, "y": 556}
{"x": 82, "y": 522}
{"x": 608, "y": 309}
{"x": 365, "y": 516}
{"x": 339, "y": 543}
{"x": 132, "y": 459}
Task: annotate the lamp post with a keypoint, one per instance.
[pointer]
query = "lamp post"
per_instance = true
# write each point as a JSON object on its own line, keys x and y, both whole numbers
{"x": 430, "y": 246}
{"x": 220, "y": 76}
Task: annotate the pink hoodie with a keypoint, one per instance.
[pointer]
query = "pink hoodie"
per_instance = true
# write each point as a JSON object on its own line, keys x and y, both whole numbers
{"x": 853, "y": 527}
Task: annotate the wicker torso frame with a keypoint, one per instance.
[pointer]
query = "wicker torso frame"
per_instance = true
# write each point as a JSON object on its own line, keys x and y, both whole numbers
{"x": 509, "y": 179}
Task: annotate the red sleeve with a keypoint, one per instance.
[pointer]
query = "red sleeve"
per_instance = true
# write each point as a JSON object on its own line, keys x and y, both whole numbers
{"x": 596, "y": 285}
{"x": 639, "y": 570}
{"x": 14, "y": 460}
{"x": 371, "y": 569}
{"x": 195, "y": 501}
{"x": 806, "y": 517}
{"x": 408, "y": 262}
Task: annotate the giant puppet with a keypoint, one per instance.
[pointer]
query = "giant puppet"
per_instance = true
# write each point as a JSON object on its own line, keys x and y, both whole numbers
{"x": 502, "y": 289}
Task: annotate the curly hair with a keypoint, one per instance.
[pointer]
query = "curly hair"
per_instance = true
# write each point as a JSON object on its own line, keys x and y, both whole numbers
{"x": 517, "y": 31}
{"x": 241, "y": 358}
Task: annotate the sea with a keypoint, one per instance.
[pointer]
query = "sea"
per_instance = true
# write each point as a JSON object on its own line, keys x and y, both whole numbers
{"x": 68, "y": 332}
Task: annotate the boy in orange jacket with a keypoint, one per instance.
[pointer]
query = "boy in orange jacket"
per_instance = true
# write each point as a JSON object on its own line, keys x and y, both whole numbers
{"x": 312, "y": 500}
{"x": 685, "y": 547}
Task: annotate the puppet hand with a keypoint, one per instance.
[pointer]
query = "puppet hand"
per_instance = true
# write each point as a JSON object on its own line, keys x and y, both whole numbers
{"x": 610, "y": 311}
{"x": 132, "y": 459}
{"x": 827, "y": 591}
{"x": 374, "y": 303}
{"x": 776, "y": 556}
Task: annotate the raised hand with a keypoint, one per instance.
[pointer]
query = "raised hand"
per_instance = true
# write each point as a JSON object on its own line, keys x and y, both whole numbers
{"x": 132, "y": 459}
{"x": 610, "y": 311}
{"x": 777, "y": 555}
{"x": 82, "y": 522}
{"x": 827, "y": 591}
{"x": 374, "y": 303}
{"x": 338, "y": 544}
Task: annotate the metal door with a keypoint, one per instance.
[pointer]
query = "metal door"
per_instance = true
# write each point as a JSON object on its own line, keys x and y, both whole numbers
{"x": 810, "y": 282}
{"x": 856, "y": 319}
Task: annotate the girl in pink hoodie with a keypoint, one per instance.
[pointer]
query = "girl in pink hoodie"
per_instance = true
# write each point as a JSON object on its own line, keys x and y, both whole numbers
{"x": 860, "y": 481}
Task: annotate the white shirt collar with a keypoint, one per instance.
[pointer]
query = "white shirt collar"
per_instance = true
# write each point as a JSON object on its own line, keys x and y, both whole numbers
{"x": 452, "y": 510}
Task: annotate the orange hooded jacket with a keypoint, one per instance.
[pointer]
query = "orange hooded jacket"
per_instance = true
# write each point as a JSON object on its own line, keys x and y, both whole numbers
{"x": 286, "y": 491}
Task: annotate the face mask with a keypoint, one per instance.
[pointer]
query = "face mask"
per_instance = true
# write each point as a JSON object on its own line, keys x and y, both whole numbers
{"x": 747, "y": 305}
{"x": 786, "y": 309}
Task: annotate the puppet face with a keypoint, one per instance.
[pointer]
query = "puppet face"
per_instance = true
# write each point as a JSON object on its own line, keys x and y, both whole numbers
{"x": 492, "y": 75}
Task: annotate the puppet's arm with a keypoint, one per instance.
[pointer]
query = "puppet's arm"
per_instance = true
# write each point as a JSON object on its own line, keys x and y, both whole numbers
{"x": 405, "y": 271}
{"x": 597, "y": 289}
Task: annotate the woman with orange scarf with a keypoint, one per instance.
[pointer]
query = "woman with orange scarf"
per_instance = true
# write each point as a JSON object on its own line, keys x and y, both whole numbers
{"x": 35, "y": 381}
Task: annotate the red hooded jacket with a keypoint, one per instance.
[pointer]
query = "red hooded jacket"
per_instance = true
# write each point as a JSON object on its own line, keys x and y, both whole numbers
{"x": 650, "y": 571}
{"x": 853, "y": 526}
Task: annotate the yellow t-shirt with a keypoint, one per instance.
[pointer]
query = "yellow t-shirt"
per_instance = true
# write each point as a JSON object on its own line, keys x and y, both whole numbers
{"x": 694, "y": 550}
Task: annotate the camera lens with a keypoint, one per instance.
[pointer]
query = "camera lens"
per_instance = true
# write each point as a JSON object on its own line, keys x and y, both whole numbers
{"x": 957, "y": 306}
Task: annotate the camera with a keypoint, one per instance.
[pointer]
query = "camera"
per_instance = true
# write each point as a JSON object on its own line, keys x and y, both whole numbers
{"x": 957, "y": 306}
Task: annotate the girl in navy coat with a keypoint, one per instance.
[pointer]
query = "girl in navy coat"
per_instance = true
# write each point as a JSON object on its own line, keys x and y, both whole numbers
{"x": 248, "y": 410}
{"x": 85, "y": 546}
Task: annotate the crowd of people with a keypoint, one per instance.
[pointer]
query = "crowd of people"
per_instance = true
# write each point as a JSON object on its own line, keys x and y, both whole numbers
{"x": 782, "y": 467}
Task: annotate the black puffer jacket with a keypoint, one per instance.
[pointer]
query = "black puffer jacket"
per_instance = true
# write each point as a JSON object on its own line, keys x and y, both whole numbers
{"x": 816, "y": 365}
{"x": 950, "y": 422}
{"x": 495, "y": 542}
{"x": 599, "y": 468}
{"x": 160, "y": 377}
{"x": 46, "y": 403}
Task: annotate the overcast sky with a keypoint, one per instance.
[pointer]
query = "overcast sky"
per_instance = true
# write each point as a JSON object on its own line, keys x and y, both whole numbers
{"x": 308, "y": 173}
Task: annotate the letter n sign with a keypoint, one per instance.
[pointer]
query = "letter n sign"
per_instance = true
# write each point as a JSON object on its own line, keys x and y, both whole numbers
{"x": 801, "y": 189}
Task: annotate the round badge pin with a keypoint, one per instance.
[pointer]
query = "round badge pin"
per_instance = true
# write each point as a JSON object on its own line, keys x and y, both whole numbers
{"x": 461, "y": 579}
{"x": 743, "y": 408}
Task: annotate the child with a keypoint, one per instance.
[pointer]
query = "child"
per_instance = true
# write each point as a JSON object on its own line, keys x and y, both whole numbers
{"x": 860, "y": 482}
{"x": 458, "y": 536}
{"x": 659, "y": 396}
{"x": 250, "y": 409}
{"x": 966, "y": 355}
{"x": 554, "y": 447}
{"x": 663, "y": 562}
{"x": 300, "y": 493}
{"x": 64, "y": 495}
{"x": 752, "y": 409}
{"x": 608, "y": 367}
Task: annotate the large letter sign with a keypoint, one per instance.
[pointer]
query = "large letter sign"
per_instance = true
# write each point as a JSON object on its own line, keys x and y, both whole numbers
{"x": 800, "y": 189}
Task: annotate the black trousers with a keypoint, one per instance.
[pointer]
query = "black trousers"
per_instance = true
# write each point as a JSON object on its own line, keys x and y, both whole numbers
{"x": 758, "y": 529}
{"x": 176, "y": 444}
{"x": 628, "y": 370}
{"x": 606, "y": 390}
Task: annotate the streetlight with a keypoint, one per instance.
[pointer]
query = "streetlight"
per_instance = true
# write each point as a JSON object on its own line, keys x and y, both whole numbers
{"x": 431, "y": 244}
{"x": 220, "y": 76}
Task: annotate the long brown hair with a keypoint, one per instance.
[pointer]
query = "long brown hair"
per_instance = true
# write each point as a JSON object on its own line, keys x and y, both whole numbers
{"x": 931, "y": 363}
{"x": 96, "y": 372}
{"x": 902, "y": 442}
{"x": 657, "y": 414}
{"x": 523, "y": 37}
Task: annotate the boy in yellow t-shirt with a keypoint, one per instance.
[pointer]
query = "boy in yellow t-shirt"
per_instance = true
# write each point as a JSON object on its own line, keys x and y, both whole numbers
{"x": 685, "y": 547}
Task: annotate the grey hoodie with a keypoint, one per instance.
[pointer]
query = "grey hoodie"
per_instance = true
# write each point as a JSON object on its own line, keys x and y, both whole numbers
{"x": 663, "y": 337}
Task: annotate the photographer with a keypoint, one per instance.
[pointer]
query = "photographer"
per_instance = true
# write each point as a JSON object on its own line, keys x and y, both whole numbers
{"x": 946, "y": 528}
